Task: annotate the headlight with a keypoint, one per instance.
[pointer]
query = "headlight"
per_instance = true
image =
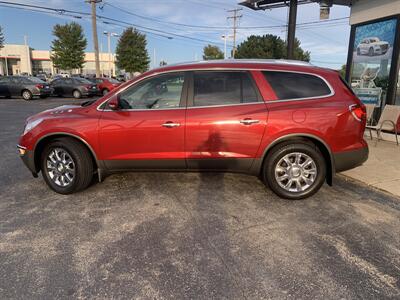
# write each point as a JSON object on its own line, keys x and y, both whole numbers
{"x": 30, "y": 125}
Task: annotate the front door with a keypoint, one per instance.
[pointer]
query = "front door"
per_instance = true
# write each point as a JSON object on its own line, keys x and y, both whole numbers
{"x": 225, "y": 121}
{"x": 147, "y": 132}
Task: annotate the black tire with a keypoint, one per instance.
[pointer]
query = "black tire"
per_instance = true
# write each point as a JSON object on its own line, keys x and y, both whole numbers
{"x": 105, "y": 92}
{"x": 26, "y": 95}
{"x": 83, "y": 165}
{"x": 288, "y": 148}
{"x": 371, "y": 51}
{"x": 77, "y": 94}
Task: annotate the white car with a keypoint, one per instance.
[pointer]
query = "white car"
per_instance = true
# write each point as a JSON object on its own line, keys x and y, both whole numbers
{"x": 372, "y": 46}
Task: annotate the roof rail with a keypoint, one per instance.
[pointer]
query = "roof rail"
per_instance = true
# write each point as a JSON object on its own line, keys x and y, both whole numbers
{"x": 251, "y": 61}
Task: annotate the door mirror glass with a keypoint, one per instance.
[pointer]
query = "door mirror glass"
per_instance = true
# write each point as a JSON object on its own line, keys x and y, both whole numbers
{"x": 113, "y": 104}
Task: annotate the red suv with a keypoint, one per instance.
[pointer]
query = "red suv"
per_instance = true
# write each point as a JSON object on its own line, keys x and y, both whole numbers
{"x": 292, "y": 124}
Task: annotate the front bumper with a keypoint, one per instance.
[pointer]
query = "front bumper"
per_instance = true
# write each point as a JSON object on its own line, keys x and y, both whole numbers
{"x": 350, "y": 159}
{"x": 28, "y": 158}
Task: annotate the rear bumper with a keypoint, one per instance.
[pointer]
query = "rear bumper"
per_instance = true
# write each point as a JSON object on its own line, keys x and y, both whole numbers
{"x": 28, "y": 158}
{"x": 350, "y": 159}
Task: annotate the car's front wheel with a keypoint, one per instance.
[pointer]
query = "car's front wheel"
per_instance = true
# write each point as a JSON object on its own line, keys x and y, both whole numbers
{"x": 295, "y": 170}
{"x": 66, "y": 165}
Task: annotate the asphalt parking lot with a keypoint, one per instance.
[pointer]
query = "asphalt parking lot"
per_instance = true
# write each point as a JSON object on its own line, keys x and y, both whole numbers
{"x": 198, "y": 236}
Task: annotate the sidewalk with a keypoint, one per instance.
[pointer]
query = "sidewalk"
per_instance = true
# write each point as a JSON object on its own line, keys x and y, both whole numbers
{"x": 382, "y": 169}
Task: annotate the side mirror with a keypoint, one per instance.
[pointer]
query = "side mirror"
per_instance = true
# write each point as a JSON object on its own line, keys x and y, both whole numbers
{"x": 113, "y": 104}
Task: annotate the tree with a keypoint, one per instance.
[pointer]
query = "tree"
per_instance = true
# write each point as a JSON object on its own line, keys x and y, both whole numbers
{"x": 212, "y": 52}
{"x": 68, "y": 46}
{"x": 1, "y": 38}
{"x": 269, "y": 46}
{"x": 131, "y": 52}
{"x": 342, "y": 71}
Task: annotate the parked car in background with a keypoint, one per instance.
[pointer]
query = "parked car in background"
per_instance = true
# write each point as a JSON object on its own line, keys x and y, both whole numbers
{"x": 372, "y": 46}
{"x": 291, "y": 124}
{"x": 43, "y": 76}
{"x": 105, "y": 84}
{"x": 24, "y": 86}
{"x": 76, "y": 87}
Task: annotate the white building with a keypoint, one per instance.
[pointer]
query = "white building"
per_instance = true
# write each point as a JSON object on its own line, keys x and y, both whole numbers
{"x": 19, "y": 59}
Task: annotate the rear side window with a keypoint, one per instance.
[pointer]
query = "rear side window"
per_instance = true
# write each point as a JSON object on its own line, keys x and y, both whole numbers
{"x": 290, "y": 85}
{"x": 223, "y": 88}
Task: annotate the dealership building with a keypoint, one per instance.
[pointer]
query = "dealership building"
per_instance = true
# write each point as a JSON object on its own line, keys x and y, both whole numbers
{"x": 21, "y": 59}
{"x": 374, "y": 50}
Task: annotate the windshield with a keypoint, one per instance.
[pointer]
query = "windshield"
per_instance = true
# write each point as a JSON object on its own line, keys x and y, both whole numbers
{"x": 82, "y": 80}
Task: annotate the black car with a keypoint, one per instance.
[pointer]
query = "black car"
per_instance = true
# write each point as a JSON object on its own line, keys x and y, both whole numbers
{"x": 27, "y": 87}
{"x": 76, "y": 87}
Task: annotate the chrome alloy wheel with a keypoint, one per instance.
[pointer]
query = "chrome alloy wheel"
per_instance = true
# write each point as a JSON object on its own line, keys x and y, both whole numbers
{"x": 60, "y": 167}
{"x": 295, "y": 172}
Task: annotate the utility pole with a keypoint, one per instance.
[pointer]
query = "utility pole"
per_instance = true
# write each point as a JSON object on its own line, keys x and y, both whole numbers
{"x": 235, "y": 18}
{"x": 291, "y": 29}
{"x": 95, "y": 38}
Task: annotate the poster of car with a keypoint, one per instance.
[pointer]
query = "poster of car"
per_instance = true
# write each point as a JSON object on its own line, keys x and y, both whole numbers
{"x": 372, "y": 55}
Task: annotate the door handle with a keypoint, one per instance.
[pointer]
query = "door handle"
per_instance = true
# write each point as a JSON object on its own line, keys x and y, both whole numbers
{"x": 170, "y": 124}
{"x": 249, "y": 121}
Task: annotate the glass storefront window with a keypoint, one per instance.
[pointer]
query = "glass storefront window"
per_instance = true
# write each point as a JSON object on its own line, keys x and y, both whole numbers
{"x": 397, "y": 95}
{"x": 372, "y": 58}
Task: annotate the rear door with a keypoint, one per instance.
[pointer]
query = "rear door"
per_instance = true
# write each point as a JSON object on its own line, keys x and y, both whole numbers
{"x": 225, "y": 121}
{"x": 15, "y": 86}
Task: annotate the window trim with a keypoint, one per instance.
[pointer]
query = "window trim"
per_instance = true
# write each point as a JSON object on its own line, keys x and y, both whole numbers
{"x": 190, "y": 103}
{"x": 182, "y": 102}
{"x": 249, "y": 70}
{"x": 332, "y": 91}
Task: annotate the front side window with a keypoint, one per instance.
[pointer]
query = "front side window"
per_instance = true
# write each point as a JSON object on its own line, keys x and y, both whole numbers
{"x": 223, "y": 88}
{"x": 160, "y": 92}
{"x": 290, "y": 85}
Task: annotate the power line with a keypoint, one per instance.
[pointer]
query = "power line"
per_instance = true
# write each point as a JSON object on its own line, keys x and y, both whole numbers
{"x": 61, "y": 12}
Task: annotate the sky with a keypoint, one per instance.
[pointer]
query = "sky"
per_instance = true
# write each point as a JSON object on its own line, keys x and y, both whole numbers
{"x": 168, "y": 22}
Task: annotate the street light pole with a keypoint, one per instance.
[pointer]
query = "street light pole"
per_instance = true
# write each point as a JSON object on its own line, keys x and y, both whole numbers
{"x": 225, "y": 37}
{"x": 109, "y": 35}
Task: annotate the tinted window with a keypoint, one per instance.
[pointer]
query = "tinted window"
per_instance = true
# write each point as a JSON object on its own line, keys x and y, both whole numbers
{"x": 163, "y": 91}
{"x": 4, "y": 80}
{"x": 32, "y": 80}
{"x": 81, "y": 81}
{"x": 287, "y": 85}
{"x": 222, "y": 88}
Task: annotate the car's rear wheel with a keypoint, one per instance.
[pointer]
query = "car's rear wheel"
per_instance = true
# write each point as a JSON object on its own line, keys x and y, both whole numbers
{"x": 77, "y": 94}
{"x": 27, "y": 95}
{"x": 105, "y": 92}
{"x": 67, "y": 166}
{"x": 295, "y": 170}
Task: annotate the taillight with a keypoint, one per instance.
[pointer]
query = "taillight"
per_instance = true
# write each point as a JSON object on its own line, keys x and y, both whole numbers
{"x": 358, "y": 111}
{"x": 40, "y": 86}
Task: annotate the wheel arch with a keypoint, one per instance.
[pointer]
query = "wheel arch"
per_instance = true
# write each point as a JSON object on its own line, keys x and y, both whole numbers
{"x": 44, "y": 140}
{"x": 317, "y": 141}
